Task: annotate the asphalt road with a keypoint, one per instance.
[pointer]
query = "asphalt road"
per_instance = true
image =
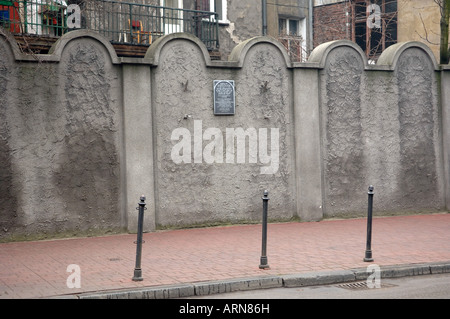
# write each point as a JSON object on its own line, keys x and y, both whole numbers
{"x": 417, "y": 287}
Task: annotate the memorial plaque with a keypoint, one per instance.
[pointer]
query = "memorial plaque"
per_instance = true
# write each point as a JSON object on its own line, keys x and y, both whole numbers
{"x": 224, "y": 97}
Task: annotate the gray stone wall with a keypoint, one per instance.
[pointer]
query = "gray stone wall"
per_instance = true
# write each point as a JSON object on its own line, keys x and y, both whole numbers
{"x": 343, "y": 144}
{"x": 60, "y": 122}
{"x": 83, "y": 134}
{"x": 381, "y": 127}
{"x": 221, "y": 190}
{"x": 10, "y": 216}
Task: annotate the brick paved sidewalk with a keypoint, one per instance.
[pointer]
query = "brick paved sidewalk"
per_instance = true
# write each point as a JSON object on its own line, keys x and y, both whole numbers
{"x": 39, "y": 269}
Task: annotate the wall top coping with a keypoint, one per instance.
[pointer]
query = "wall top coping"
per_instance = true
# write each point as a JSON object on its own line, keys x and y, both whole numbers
{"x": 154, "y": 51}
{"x": 390, "y": 56}
{"x": 58, "y": 47}
{"x": 320, "y": 54}
{"x": 387, "y": 61}
{"x": 240, "y": 51}
{"x": 56, "y": 50}
{"x": 235, "y": 59}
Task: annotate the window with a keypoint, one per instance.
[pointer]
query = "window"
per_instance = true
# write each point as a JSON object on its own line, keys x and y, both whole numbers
{"x": 176, "y": 4}
{"x": 288, "y": 27}
{"x": 217, "y": 6}
{"x": 172, "y": 16}
{"x": 374, "y": 25}
{"x": 292, "y": 34}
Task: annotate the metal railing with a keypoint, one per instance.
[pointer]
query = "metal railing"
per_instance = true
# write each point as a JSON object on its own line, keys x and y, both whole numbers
{"x": 119, "y": 22}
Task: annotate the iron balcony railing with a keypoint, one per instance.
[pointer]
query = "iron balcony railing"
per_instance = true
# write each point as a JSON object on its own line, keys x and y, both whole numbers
{"x": 119, "y": 22}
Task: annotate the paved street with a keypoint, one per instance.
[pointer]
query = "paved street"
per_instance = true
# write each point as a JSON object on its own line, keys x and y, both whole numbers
{"x": 39, "y": 269}
{"x": 410, "y": 287}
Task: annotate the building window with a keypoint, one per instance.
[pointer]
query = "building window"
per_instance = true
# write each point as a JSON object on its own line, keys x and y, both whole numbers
{"x": 176, "y": 4}
{"x": 217, "y": 6}
{"x": 292, "y": 34}
{"x": 289, "y": 27}
{"x": 374, "y": 25}
{"x": 172, "y": 15}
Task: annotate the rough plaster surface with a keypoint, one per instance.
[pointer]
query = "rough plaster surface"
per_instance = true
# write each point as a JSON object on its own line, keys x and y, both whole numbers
{"x": 61, "y": 138}
{"x": 419, "y": 130}
{"x": 381, "y": 128}
{"x": 9, "y": 215}
{"x": 202, "y": 192}
{"x": 62, "y": 135}
{"x": 343, "y": 145}
{"x": 88, "y": 170}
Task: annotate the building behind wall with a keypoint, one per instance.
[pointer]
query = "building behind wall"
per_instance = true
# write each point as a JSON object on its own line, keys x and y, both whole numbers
{"x": 288, "y": 21}
{"x": 400, "y": 21}
{"x": 370, "y": 24}
{"x": 331, "y": 21}
{"x": 132, "y": 26}
{"x": 285, "y": 20}
{"x": 419, "y": 20}
{"x": 223, "y": 24}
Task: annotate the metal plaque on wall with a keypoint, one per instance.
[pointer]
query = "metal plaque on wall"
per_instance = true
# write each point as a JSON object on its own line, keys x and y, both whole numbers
{"x": 224, "y": 97}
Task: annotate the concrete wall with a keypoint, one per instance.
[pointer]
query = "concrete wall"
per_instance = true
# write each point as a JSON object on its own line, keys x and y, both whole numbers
{"x": 381, "y": 126}
{"x": 83, "y": 134}
{"x": 223, "y": 190}
{"x": 61, "y": 127}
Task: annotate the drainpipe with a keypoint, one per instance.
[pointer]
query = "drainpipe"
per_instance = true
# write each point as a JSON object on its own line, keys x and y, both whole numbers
{"x": 264, "y": 17}
{"x": 311, "y": 25}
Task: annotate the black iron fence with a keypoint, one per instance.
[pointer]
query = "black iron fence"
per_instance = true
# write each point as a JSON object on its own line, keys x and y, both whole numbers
{"x": 120, "y": 22}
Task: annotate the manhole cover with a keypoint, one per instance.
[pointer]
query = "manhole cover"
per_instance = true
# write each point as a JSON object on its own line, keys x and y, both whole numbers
{"x": 362, "y": 285}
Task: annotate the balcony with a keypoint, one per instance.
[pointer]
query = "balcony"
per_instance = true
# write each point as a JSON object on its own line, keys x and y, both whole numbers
{"x": 130, "y": 27}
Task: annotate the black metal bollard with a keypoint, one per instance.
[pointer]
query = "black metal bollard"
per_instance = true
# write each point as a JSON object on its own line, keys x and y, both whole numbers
{"x": 137, "y": 269}
{"x": 263, "y": 262}
{"x": 368, "y": 256}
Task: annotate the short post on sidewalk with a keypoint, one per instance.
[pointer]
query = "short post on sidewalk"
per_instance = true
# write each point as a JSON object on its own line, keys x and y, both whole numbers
{"x": 368, "y": 256}
{"x": 137, "y": 269}
{"x": 263, "y": 262}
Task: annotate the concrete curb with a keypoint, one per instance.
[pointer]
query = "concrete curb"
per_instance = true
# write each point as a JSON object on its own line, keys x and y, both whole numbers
{"x": 265, "y": 282}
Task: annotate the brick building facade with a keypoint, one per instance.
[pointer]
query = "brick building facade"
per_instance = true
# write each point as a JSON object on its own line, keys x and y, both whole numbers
{"x": 372, "y": 24}
{"x": 331, "y": 22}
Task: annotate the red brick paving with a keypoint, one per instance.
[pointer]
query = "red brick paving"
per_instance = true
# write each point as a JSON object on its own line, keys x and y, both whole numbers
{"x": 38, "y": 269}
